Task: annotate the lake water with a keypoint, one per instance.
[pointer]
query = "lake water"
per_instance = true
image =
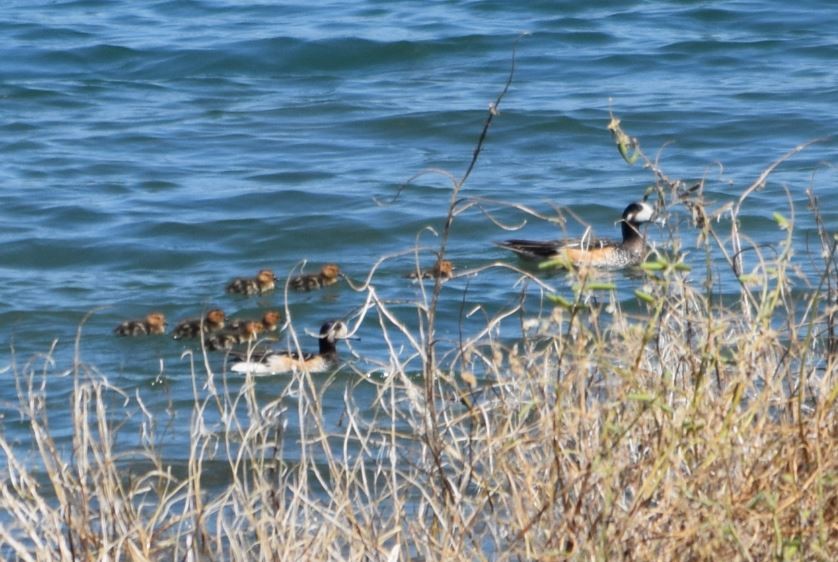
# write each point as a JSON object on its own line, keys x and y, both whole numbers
{"x": 152, "y": 151}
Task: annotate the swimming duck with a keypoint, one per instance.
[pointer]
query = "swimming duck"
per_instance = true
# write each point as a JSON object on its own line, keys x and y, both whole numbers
{"x": 246, "y": 332}
{"x": 212, "y": 322}
{"x": 264, "y": 281}
{"x": 270, "y": 321}
{"x": 442, "y": 269}
{"x": 328, "y": 275}
{"x": 607, "y": 254}
{"x": 153, "y": 323}
{"x": 275, "y": 362}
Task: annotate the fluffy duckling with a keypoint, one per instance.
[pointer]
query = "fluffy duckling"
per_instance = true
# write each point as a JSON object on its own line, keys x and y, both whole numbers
{"x": 270, "y": 321}
{"x": 246, "y": 332}
{"x": 264, "y": 281}
{"x": 442, "y": 269}
{"x": 328, "y": 275}
{"x": 153, "y": 323}
{"x": 605, "y": 254}
{"x": 212, "y": 322}
{"x": 275, "y": 362}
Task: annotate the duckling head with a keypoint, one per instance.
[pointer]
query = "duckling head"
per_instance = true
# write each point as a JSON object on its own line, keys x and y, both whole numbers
{"x": 215, "y": 317}
{"x": 330, "y": 271}
{"x": 444, "y": 268}
{"x": 266, "y": 277}
{"x": 156, "y": 321}
{"x": 253, "y": 328}
{"x": 271, "y": 319}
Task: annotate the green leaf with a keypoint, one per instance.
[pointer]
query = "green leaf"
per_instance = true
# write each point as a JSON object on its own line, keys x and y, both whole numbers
{"x": 781, "y": 221}
{"x": 560, "y": 262}
{"x": 624, "y": 152}
{"x": 560, "y": 300}
{"x": 595, "y": 287}
{"x": 653, "y": 265}
{"x": 645, "y": 297}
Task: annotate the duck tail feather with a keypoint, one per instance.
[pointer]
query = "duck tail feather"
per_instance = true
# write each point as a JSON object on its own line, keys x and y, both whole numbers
{"x": 530, "y": 249}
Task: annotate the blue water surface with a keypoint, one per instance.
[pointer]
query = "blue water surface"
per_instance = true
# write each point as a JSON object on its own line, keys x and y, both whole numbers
{"x": 151, "y": 151}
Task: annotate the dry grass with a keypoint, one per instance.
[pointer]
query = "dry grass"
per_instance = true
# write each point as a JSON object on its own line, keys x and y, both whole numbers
{"x": 690, "y": 428}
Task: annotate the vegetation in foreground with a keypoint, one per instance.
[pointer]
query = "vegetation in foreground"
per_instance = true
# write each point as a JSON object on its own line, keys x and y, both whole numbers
{"x": 693, "y": 429}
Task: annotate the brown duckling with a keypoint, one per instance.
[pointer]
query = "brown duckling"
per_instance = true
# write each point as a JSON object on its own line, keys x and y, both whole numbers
{"x": 270, "y": 321}
{"x": 264, "y": 281}
{"x": 247, "y": 332}
{"x": 328, "y": 275}
{"x": 154, "y": 323}
{"x": 442, "y": 269}
{"x": 212, "y": 322}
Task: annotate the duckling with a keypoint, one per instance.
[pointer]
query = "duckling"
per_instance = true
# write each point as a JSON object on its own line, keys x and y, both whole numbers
{"x": 605, "y": 254}
{"x": 153, "y": 323}
{"x": 328, "y": 275}
{"x": 246, "y": 332}
{"x": 442, "y": 269}
{"x": 275, "y": 362}
{"x": 270, "y": 321}
{"x": 264, "y": 281}
{"x": 212, "y": 322}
